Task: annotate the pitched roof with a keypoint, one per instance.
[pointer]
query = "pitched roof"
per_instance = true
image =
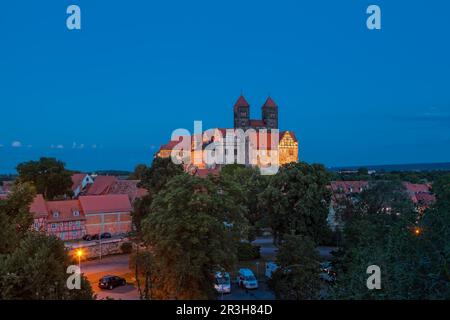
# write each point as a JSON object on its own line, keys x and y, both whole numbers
{"x": 291, "y": 133}
{"x": 241, "y": 102}
{"x": 65, "y": 209}
{"x": 128, "y": 187}
{"x": 172, "y": 144}
{"x": 101, "y": 185}
{"x": 203, "y": 173}
{"x": 270, "y": 103}
{"x": 348, "y": 187}
{"x": 426, "y": 198}
{"x": 38, "y": 207}
{"x": 105, "y": 203}
{"x": 417, "y": 188}
{"x": 77, "y": 179}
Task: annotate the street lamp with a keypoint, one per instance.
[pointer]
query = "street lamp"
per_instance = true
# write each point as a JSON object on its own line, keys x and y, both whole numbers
{"x": 417, "y": 231}
{"x": 79, "y": 253}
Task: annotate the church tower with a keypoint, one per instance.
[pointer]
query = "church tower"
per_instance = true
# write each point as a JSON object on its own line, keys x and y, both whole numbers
{"x": 241, "y": 113}
{"x": 270, "y": 114}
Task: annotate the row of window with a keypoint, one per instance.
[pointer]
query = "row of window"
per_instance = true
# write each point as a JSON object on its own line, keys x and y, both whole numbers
{"x": 75, "y": 213}
{"x": 61, "y": 224}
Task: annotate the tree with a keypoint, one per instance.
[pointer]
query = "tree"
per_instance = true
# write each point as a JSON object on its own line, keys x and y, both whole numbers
{"x": 412, "y": 253}
{"x": 156, "y": 176}
{"x": 153, "y": 178}
{"x": 32, "y": 264}
{"x": 37, "y": 270}
{"x": 296, "y": 201}
{"x": 297, "y": 277}
{"x": 252, "y": 183}
{"x": 138, "y": 172}
{"x": 193, "y": 230}
{"x": 48, "y": 175}
{"x": 146, "y": 272}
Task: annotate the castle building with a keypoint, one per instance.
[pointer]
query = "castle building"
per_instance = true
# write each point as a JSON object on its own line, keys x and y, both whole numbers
{"x": 285, "y": 151}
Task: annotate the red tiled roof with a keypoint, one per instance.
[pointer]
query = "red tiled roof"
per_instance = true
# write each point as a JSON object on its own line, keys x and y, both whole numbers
{"x": 7, "y": 186}
{"x": 77, "y": 178}
{"x": 426, "y": 198}
{"x": 203, "y": 173}
{"x": 270, "y": 103}
{"x": 348, "y": 187}
{"x": 101, "y": 185}
{"x": 172, "y": 144}
{"x": 38, "y": 207}
{"x": 241, "y": 102}
{"x": 128, "y": 187}
{"x": 257, "y": 123}
{"x": 417, "y": 188}
{"x": 65, "y": 209}
{"x": 105, "y": 203}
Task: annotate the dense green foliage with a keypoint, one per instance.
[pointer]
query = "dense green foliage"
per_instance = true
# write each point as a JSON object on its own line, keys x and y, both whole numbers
{"x": 247, "y": 251}
{"x": 32, "y": 265}
{"x": 297, "y": 277}
{"x": 193, "y": 230}
{"x": 154, "y": 179}
{"x": 48, "y": 175}
{"x": 413, "y": 253}
{"x": 296, "y": 201}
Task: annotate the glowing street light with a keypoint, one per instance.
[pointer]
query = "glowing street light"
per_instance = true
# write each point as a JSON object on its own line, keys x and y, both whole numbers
{"x": 417, "y": 231}
{"x": 79, "y": 254}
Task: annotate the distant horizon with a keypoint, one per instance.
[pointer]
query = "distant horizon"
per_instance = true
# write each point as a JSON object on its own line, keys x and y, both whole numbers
{"x": 147, "y": 157}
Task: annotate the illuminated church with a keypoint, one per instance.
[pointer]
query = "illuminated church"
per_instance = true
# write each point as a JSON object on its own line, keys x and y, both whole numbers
{"x": 285, "y": 152}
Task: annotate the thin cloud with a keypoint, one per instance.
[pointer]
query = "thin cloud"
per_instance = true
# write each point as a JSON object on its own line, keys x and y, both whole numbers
{"x": 16, "y": 144}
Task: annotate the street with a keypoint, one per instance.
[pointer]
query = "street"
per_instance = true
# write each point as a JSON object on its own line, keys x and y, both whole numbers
{"x": 112, "y": 265}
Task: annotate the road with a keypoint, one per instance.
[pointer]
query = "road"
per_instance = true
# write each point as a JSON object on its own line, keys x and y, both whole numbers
{"x": 112, "y": 265}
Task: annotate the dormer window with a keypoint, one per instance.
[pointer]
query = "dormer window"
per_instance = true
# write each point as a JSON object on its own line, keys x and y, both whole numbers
{"x": 76, "y": 213}
{"x": 55, "y": 214}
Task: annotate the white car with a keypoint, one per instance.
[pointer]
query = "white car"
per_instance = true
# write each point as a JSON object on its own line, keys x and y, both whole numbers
{"x": 246, "y": 279}
{"x": 222, "y": 282}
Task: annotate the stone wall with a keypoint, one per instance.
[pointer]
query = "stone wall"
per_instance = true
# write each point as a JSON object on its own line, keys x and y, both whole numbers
{"x": 93, "y": 249}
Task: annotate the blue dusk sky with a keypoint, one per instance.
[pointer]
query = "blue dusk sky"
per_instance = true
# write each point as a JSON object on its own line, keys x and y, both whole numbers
{"x": 106, "y": 96}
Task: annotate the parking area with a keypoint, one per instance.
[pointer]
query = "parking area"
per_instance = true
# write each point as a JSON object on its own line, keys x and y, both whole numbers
{"x": 113, "y": 265}
{"x": 262, "y": 293}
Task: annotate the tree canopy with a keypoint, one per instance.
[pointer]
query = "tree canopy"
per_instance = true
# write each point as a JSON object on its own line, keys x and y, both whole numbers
{"x": 193, "y": 231}
{"x": 296, "y": 201}
{"x": 32, "y": 264}
{"x": 412, "y": 252}
{"x": 48, "y": 175}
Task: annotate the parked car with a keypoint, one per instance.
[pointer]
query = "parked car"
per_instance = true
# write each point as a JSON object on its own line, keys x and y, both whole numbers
{"x": 105, "y": 235}
{"x": 110, "y": 282}
{"x": 88, "y": 237}
{"x": 222, "y": 282}
{"x": 246, "y": 279}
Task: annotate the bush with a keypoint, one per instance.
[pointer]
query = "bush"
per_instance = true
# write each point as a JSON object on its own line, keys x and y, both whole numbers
{"x": 126, "y": 247}
{"x": 247, "y": 251}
